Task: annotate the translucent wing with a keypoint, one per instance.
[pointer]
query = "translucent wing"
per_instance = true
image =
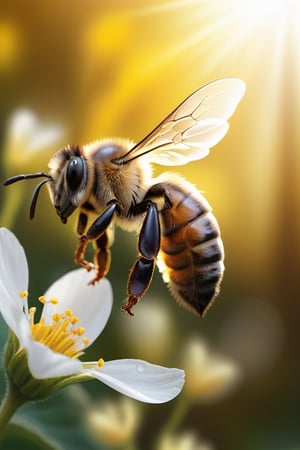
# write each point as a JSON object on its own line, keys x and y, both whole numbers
{"x": 197, "y": 124}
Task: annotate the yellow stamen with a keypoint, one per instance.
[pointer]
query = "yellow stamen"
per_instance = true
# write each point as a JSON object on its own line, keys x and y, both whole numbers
{"x": 100, "y": 363}
{"x": 32, "y": 312}
{"x": 59, "y": 333}
{"x": 38, "y": 329}
{"x": 56, "y": 317}
{"x": 80, "y": 331}
{"x": 23, "y": 294}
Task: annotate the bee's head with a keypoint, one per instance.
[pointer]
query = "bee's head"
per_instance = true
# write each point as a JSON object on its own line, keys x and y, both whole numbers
{"x": 67, "y": 182}
{"x": 68, "y": 185}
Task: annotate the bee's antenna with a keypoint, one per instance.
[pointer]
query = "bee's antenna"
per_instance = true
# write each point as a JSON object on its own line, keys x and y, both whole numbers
{"x": 27, "y": 176}
{"x": 35, "y": 197}
{"x": 36, "y": 191}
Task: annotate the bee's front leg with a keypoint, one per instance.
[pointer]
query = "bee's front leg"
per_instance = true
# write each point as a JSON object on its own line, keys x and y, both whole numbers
{"x": 102, "y": 256}
{"x": 80, "y": 253}
{"x": 149, "y": 244}
{"x": 97, "y": 232}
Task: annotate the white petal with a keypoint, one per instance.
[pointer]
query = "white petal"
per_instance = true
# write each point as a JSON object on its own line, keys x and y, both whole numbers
{"x": 91, "y": 304}
{"x": 13, "y": 265}
{"x": 140, "y": 380}
{"x": 13, "y": 280}
{"x": 44, "y": 363}
{"x": 12, "y": 314}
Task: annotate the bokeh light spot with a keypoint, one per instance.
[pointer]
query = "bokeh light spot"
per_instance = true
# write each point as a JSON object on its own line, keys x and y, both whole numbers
{"x": 9, "y": 44}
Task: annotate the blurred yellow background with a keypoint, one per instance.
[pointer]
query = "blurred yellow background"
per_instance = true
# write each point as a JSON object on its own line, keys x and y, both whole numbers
{"x": 116, "y": 68}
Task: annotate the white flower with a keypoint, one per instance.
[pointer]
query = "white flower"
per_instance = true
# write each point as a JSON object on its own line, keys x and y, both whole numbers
{"x": 186, "y": 440}
{"x": 26, "y": 136}
{"x": 68, "y": 326}
{"x": 114, "y": 422}
{"x": 26, "y": 140}
{"x": 209, "y": 376}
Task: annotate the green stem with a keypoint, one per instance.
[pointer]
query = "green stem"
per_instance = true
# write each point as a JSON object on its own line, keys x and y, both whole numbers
{"x": 178, "y": 414}
{"x": 11, "y": 402}
{"x": 175, "y": 419}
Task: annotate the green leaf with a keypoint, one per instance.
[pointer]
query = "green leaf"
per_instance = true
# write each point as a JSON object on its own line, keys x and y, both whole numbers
{"x": 59, "y": 421}
{"x": 19, "y": 438}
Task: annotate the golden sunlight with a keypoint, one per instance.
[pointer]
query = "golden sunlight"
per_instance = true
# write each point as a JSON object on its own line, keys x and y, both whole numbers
{"x": 268, "y": 10}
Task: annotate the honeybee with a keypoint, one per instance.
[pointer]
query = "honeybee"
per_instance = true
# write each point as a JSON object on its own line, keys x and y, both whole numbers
{"x": 111, "y": 183}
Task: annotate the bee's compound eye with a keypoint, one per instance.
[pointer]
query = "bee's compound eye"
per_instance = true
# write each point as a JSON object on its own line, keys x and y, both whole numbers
{"x": 75, "y": 172}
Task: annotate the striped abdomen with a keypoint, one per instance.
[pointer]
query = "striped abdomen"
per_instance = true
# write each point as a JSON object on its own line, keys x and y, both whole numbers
{"x": 191, "y": 255}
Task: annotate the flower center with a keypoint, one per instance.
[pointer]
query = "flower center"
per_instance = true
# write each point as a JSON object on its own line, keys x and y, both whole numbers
{"x": 61, "y": 333}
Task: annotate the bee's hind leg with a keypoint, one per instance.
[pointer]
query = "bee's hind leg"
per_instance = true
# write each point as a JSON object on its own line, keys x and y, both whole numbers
{"x": 140, "y": 276}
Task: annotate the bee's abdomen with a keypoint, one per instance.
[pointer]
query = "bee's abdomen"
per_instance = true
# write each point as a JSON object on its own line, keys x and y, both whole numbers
{"x": 191, "y": 256}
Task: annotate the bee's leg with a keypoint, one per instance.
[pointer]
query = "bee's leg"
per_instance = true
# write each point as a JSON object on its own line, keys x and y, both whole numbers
{"x": 82, "y": 243}
{"x": 102, "y": 256}
{"x": 96, "y": 232}
{"x": 149, "y": 244}
{"x": 80, "y": 253}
